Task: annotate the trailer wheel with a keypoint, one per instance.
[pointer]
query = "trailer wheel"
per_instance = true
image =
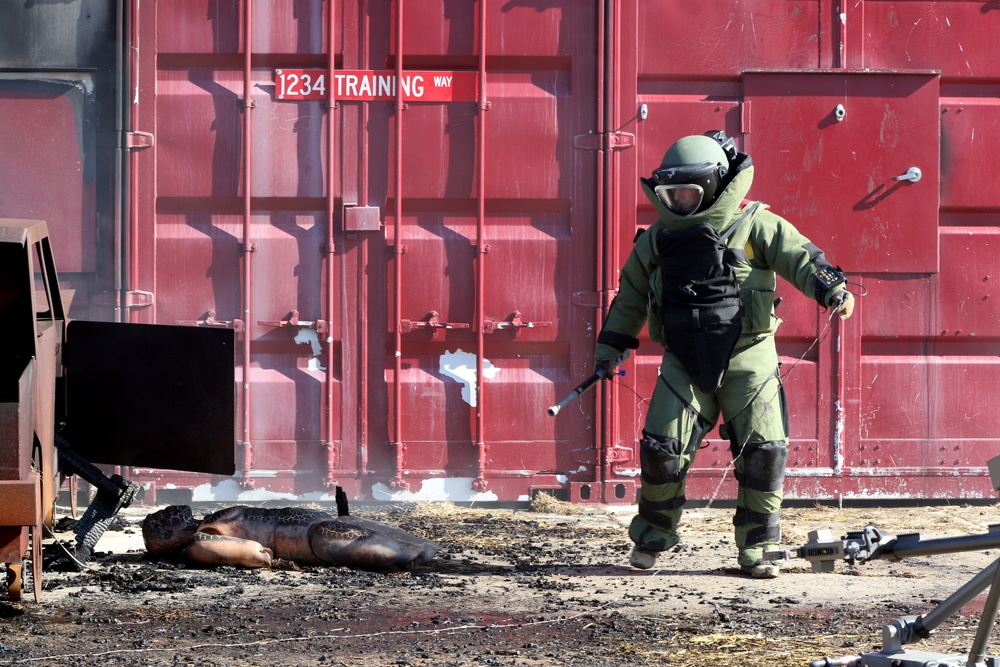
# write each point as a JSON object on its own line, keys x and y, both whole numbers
{"x": 19, "y": 577}
{"x": 14, "y": 580}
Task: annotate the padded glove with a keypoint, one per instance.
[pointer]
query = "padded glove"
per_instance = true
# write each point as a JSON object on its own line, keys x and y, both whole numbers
{"x": 842, "y": 302}
{"x": 606, "y": 357}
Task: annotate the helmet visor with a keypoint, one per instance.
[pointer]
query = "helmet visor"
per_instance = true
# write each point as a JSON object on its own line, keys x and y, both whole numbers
{"x": 683, "y": 199}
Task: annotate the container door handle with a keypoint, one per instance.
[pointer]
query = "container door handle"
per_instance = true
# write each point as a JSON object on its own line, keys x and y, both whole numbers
{"x": 513, "y": 323}
{"x": 431, "y": 323}
{"x": 912, "y": 175}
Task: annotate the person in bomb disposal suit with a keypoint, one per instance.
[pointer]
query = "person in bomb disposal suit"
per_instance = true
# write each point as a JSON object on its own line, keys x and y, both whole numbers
{"x": 704, "y": 277}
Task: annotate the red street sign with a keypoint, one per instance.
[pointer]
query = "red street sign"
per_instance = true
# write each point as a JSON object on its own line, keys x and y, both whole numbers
{"x": 364, "y": 85}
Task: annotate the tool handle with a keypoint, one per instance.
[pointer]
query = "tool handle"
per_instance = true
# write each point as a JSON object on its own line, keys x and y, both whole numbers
{"x": 583, "y": 386}
{"x": 598, "y": 375}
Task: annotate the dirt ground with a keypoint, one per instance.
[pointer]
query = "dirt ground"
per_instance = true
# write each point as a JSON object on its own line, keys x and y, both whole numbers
{"x": 547, "y": 584}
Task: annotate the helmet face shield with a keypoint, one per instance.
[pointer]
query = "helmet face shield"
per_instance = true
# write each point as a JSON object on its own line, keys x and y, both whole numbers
{"x": 684, "y": 199}
{"x": 691, "y": 176}
{"x": 683, "y": 189}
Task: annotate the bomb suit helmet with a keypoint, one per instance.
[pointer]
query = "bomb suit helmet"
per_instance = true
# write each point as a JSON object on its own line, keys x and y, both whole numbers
{"x": 692, "y": 174}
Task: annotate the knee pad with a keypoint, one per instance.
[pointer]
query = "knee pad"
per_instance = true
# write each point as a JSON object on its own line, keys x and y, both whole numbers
{"x": 764, "y": 466}
{"x": 660, "y": 458}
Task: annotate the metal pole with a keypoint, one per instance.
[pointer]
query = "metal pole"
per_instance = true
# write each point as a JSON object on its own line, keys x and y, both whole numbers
{"x": 986, "y": 622}
{"x": 247, "y": 248}
{"x": 954, "y": 602}
{"x": 480, "y": 482}
{"x": 607, "y": 233}
{"x": 397, "y": 384}
{"x": 942, "y": 545}
{"x": 363, "y": 257}
{"x": 331, "y": 451}
{"x": 119, "y": 263}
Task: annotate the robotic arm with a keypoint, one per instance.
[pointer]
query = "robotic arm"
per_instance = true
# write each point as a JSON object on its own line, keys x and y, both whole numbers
{"x": 822, "y": 551}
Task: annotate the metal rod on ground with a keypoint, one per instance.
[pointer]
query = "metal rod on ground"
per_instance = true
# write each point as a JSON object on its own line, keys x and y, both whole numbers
{"x": 978, "y": 652}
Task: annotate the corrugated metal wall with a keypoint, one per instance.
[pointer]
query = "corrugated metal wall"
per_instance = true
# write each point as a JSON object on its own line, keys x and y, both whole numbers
{"x": 897, "y": 401}
{"x": 415, "y": 282}
{"x": 412, "y": 358}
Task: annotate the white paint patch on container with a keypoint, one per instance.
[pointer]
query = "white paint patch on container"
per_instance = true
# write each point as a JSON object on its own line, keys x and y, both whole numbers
{"x": 230, "y": 490}
{"x": 455, "y": 489}
{"x": 310, "y": 337}
{"x": 461, "y": 367}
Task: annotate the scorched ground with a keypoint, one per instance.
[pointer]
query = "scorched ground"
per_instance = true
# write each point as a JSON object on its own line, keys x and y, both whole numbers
{"x": 544, "y": 585}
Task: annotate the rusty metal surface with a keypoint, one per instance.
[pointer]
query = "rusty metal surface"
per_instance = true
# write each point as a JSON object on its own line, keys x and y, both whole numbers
{"x": 17, "y": 416}
{"x": 22, "y": 501}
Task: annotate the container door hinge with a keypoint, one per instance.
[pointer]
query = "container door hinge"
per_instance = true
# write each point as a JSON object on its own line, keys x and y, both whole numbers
{"x": 592, "y": 299}
{"x": 615, "y": 454}
{"x": 606, "y": 141}
{"x": 136, "y": 141}
{"x": 131, "y": 299}
{"x": 208, "y": 320}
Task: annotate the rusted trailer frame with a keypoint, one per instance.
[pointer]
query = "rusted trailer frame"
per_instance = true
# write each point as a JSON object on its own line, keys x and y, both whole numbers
{"x": 36, "y": 324}
{"x": 72, "y": 392}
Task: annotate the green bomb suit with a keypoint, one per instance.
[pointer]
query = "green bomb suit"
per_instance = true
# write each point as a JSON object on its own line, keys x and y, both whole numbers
{"x": 750, "y": 399}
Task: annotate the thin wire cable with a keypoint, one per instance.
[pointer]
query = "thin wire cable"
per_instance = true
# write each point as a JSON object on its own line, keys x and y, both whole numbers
{"x": 781, "y": 380}
{"x": 823, "y": 334}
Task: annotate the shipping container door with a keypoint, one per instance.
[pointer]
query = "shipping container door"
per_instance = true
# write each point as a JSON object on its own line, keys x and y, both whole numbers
{"x": 228, "y": 228}
{"x": 929, "y": 359}
{"x": 684, "y": 76}
{"x": 865, "y": 125}
{"x": 412, "y": 274}
{"x": 490, "y": 212}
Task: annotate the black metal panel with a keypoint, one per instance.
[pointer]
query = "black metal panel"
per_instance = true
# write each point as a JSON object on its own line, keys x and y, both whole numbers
{"x": 69, "y": 33}
{"x": 151, "y": 395}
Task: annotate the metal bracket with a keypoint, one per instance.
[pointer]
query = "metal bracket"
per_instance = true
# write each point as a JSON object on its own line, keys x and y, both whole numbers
{"x": 513, "y": 323}
{"x": 362, "y": 218}
{"x": 591, "y": 299}
{"x": 136, "y": 140}
{"x": 210, "y": 321}
{"x": 607, "y": 141}
{"x": 132, "y": 299}
{"x": 293, "y": 322}
{"x": 615, "y": 454}
{"x": 431, "y": 323}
